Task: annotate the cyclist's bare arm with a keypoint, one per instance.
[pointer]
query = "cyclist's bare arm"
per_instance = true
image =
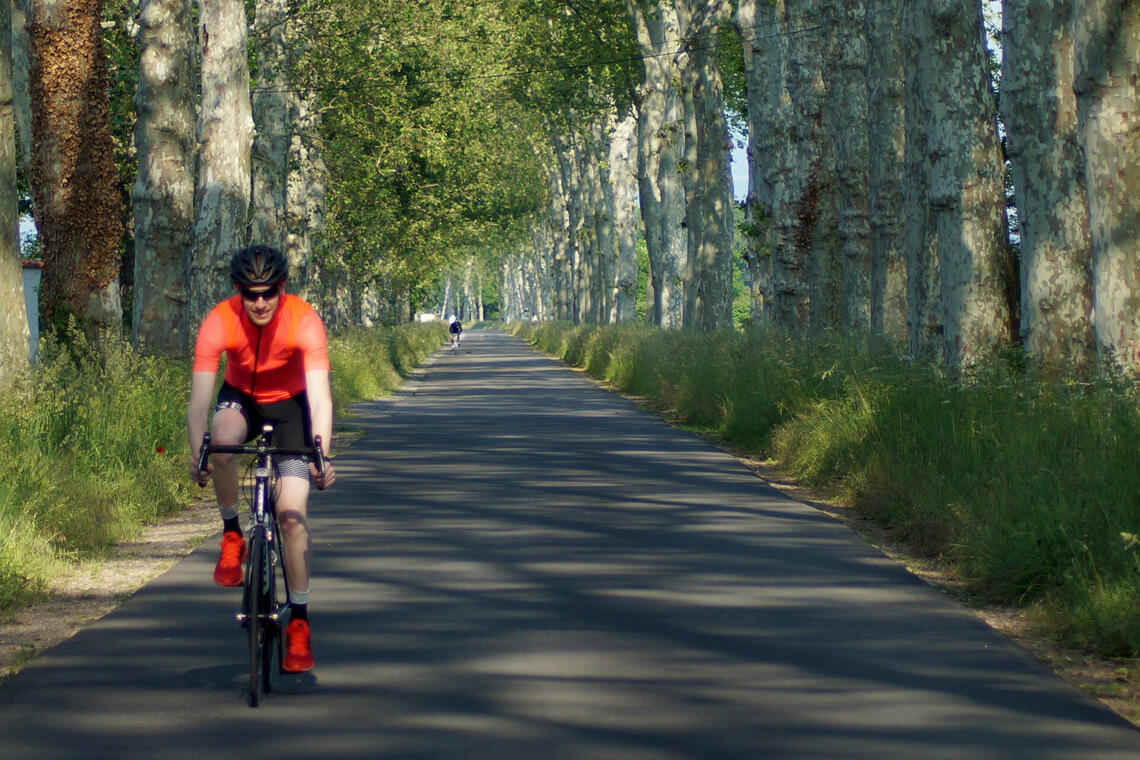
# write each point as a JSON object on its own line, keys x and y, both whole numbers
{"x": 321, "y": 414}
{"x": 197, "y": 417}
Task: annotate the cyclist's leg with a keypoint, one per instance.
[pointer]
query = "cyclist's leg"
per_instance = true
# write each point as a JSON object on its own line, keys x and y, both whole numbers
{"x": 293, "y": 431}
{"x": 229, "y": 427}
{"x": 292, "y": 501}
{"x": 292, "y": 516}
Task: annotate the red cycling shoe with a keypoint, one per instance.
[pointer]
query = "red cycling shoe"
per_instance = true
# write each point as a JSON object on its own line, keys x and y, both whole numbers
{"x": 228, "y": 570}
{"x": 298, "y": 655}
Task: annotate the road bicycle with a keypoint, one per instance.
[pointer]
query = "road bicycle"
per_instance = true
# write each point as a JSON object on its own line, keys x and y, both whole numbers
{"x": 265, "y": 593}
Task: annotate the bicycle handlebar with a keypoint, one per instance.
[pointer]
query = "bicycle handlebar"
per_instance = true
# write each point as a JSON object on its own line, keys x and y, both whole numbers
{"x": 262, "y": 447}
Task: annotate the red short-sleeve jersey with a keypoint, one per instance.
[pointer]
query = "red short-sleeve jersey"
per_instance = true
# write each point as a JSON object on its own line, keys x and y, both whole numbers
{"x": 269, "y": 363}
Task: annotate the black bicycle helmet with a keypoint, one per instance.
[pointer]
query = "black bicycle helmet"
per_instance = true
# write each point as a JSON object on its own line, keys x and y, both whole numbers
{"x": 258, "y": 265}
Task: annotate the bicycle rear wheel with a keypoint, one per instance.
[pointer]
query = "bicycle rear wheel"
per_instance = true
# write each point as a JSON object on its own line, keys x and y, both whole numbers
{"x": 255, "y": 607}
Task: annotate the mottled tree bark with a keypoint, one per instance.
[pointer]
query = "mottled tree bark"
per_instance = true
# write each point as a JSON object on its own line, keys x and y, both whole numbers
{"x": 274, "y": 109}
{"x": 714, "y": 205}
{"x": 13, "y": 320}
{"x": 623, "y": 182}
{"x": 1107, "y": 72}
{"x": 539, "y": 280}
{"x": 332, "y": 294}
{"x": 602, "y": 193}
{"x": 790, "y": 252}
{"x": 592, "y": 299}
{"x": 510, "y": 287}
{"x": 561, "y": 248}
{"x": 574, "y": 156}
{"x": 74, "y": 180}
{"x": 305, "y": 196}
{"x": 923, "y": 289}
{"x": 21, "y": 82}
{"x": 661, "y": 121}
{"x": 366, "y": 308}
{"x": 526, "y": 287}
{"x": 806, "y": 264}
{"x": 446, "y": 309}
{"x": 163, "y": 197}
{"x": 510, "y": 291}
{"x": 1043, "y": 146}
{"x": 564, "y": 155}
{"x": 789, "y": 152}
{"x": 539, "y": 272}
{"x": 225, "y": 135}
{"x": 846, "y": 109}
{"x": 886, "y": 146}
{"x": 472, "y": 308}
{"x": 650, "y": 205}
{"x": 694, "y": 223}
{"x": 965, "y": 188}
{"x": 707, "y": 272}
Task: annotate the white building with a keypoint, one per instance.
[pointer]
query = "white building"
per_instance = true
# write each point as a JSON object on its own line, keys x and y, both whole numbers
{"x": 33, "y": 270}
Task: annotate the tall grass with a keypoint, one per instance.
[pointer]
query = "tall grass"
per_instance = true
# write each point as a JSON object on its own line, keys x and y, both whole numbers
{"x": 370, "y": 362}
{"x": 95, "y": 443}
{"x": 1025, "y": 487}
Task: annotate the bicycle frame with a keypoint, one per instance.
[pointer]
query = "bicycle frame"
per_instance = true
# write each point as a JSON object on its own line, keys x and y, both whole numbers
{"x": 261, "y": 609}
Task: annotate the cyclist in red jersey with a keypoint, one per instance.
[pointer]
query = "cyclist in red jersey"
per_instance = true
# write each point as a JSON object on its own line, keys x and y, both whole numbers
{"x": 277, "y": 370}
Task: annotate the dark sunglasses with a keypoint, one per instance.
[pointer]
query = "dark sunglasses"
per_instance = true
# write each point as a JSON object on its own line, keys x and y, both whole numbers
{"x": 253, "y": 295}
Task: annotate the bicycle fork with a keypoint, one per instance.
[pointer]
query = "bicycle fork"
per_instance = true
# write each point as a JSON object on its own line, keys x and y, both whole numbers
{"x": 265, "y": 584}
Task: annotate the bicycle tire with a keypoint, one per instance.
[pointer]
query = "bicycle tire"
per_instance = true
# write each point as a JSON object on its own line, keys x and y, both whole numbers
{"x": 256, "y": 607}
{"x": 271, "y": 638}
{"x": 269, "y": 648}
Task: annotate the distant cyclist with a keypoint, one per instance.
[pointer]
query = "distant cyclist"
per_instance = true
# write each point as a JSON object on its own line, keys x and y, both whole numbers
{"x": 456, "y": 330}
{"x": 277, "y": 371}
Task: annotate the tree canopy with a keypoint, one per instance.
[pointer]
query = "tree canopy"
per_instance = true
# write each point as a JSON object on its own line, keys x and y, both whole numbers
{"x": 432, "y": 119}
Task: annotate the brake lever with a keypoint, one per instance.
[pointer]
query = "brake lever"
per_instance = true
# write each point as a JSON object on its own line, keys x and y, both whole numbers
{"x": 204, "y": 455}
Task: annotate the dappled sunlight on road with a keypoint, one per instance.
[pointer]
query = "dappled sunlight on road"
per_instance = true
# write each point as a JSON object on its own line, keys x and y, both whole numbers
{"x": 515, "y": 563}
{"x": 584, "y": 578}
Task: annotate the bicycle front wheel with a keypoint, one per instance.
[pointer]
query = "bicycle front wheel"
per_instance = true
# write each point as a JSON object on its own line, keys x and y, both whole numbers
{"x": 271, "y": 633}
{"x": 255, "y": 596}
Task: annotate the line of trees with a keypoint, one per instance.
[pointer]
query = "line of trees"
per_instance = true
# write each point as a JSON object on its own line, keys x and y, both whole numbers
{"x": 881, "y": 170}
{"x": 406, "y": 154}
{"x": 153, "y": 194}
{"x": 157, "y": 136}
{"x": 648, "y": 138}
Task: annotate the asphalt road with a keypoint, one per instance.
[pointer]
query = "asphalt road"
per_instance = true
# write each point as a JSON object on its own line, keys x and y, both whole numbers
{"x": 515, "y": 563}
